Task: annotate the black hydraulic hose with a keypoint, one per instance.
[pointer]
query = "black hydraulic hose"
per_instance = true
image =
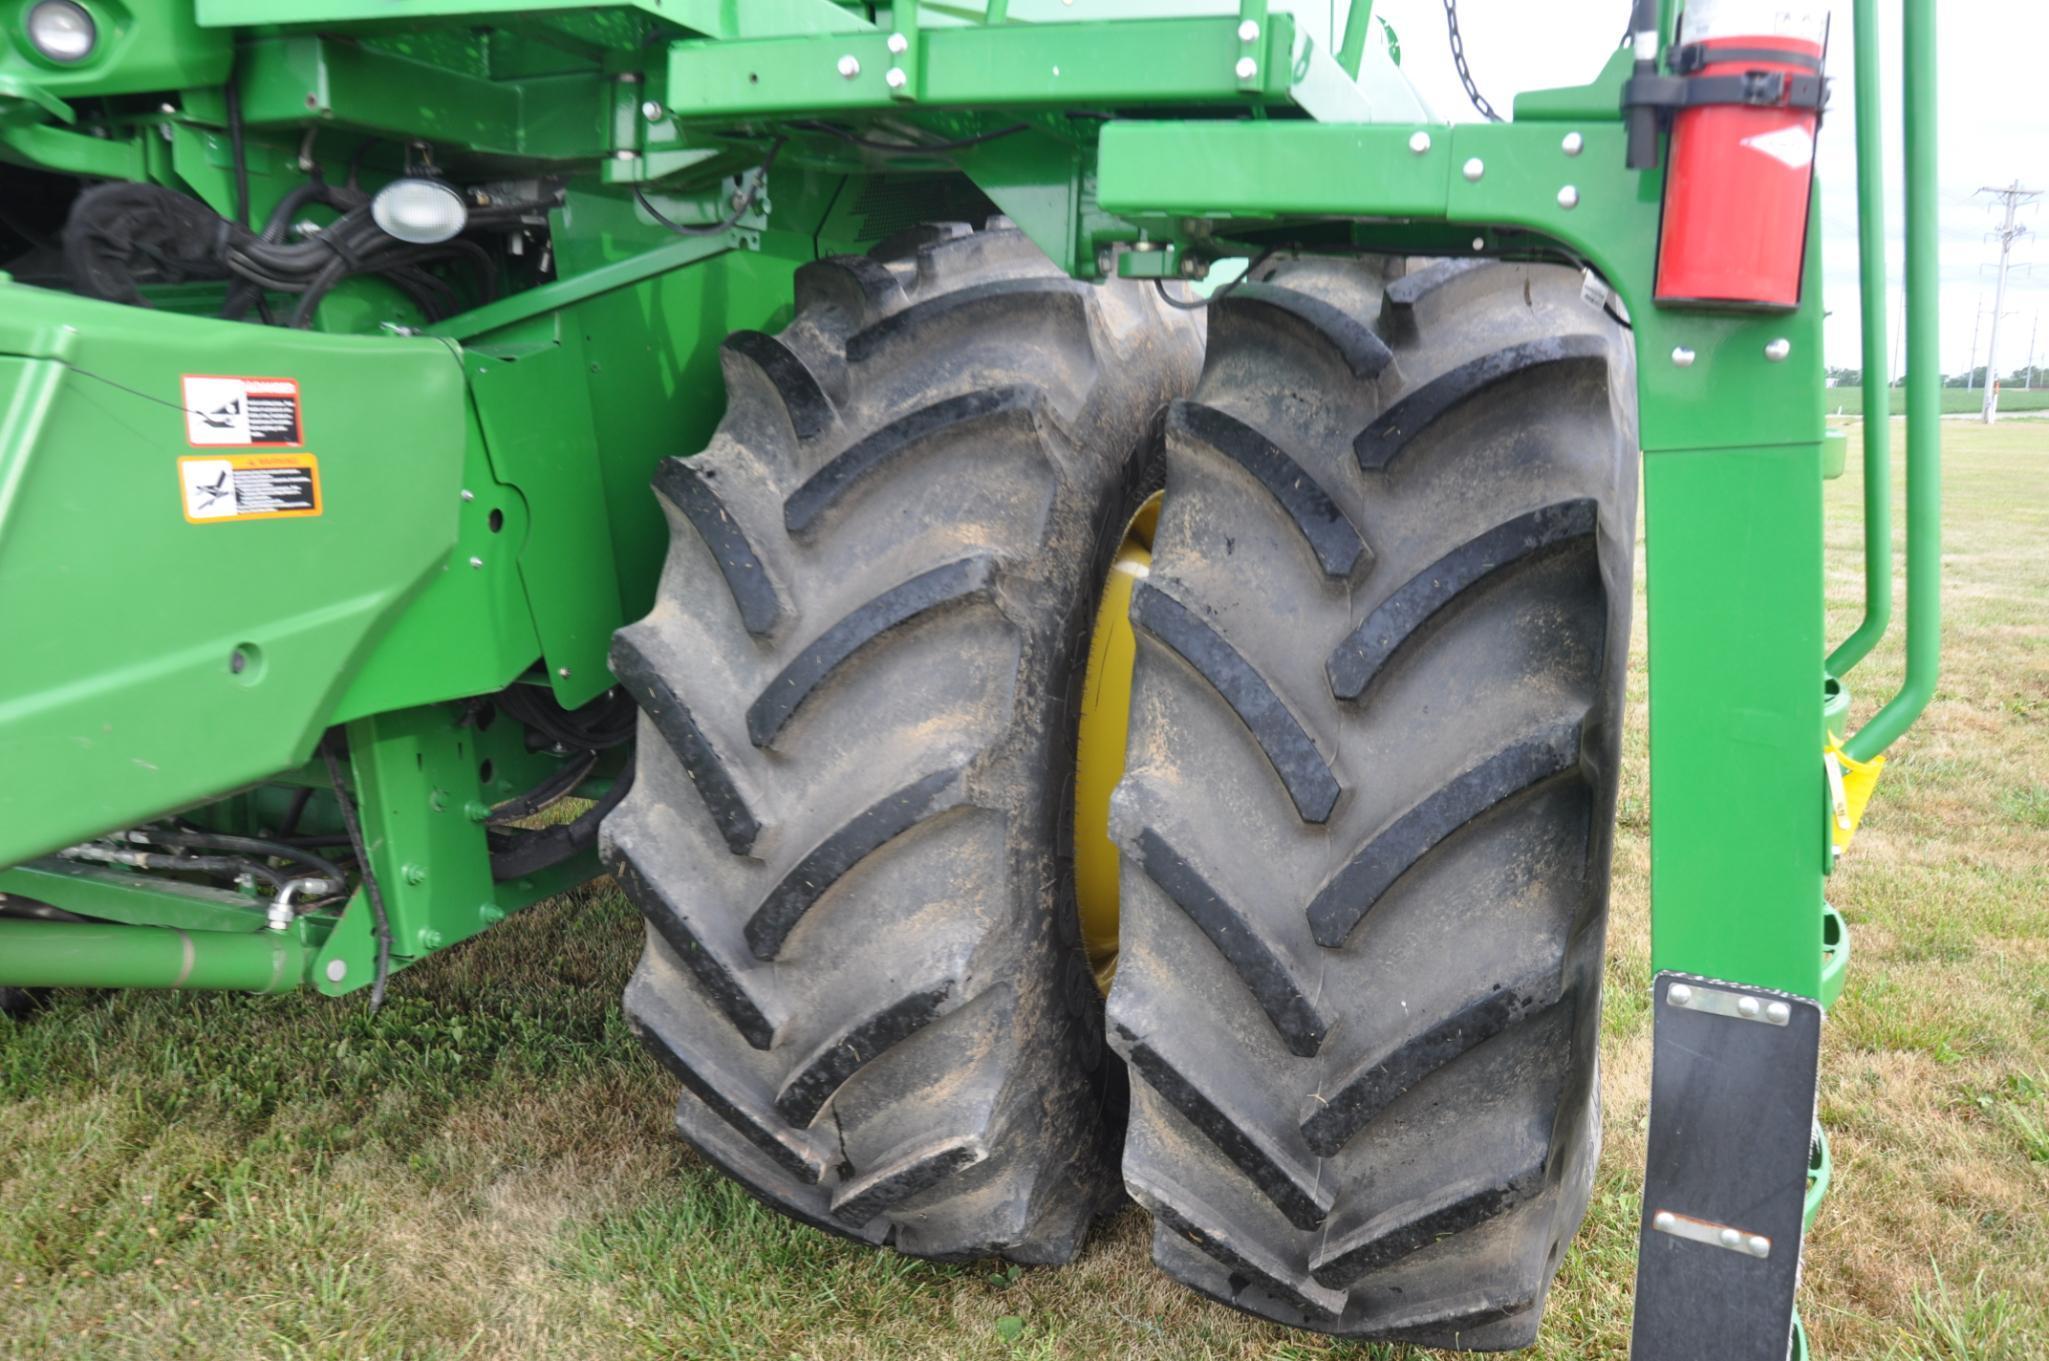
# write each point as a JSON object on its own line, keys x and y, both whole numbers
{"x": 381, "y": 922}
{"x": 238, "y": 149}
{"x": 556, "y": 787}
{"x": 532, "y": 852}
{"x": 725, "y": 223}
{"x": 295, "y": 811}
{"x": 183, "y": 864}
{"x": 247, "y": 845}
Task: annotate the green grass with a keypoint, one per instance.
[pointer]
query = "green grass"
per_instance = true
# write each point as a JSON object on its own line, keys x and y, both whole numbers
{"x": 485, "y": 1168}
{"x": 1955, "y": 401}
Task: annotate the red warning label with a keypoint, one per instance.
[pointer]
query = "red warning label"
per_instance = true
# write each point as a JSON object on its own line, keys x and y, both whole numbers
{"x": 226, "y": 412}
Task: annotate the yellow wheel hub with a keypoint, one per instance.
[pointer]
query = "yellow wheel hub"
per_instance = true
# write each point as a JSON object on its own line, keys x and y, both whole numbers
{"x": 1105, "y": 721}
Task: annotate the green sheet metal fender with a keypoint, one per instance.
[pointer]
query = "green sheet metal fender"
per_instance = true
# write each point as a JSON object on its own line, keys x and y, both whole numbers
{"x": 159, "y": 643}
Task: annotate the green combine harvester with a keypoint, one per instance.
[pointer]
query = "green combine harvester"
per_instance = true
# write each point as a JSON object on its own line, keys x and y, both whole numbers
{"x": 1073, "y": 557}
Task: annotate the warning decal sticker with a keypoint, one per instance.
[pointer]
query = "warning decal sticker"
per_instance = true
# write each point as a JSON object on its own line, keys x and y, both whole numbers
{"x": 222, "y": 487}
{"x": 230, "y": 411}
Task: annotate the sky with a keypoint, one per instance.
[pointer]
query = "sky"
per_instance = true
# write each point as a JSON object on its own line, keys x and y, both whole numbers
{"x": 1992, "y": 125}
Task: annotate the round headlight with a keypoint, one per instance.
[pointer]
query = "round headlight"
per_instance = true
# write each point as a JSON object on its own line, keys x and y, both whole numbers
{"x": 424, "y": 212}
{"x": 62, "y": 31}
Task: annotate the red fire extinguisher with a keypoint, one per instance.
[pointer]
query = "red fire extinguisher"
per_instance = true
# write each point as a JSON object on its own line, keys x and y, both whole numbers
{"x": 1744, "y": 98}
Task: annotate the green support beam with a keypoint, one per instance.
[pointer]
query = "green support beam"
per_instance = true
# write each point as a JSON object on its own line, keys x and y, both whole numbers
{"x": 44, "y": 954}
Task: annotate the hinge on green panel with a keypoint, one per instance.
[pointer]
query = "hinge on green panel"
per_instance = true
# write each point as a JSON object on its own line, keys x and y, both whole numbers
{"x": 906, "y": 51}
{"x": 1251, "y": 33}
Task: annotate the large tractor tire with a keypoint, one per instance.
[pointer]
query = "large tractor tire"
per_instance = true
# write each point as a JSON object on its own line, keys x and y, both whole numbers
{"x": 859, "y": 686}
{"x": 1367, "y": 813}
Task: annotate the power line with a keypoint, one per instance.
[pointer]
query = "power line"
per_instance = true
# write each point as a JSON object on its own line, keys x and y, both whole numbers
{"x": 2013, "y": 196}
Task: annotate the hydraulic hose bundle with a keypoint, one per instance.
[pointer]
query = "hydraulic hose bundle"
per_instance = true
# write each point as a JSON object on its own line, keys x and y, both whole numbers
{"x": 122, "y": 235}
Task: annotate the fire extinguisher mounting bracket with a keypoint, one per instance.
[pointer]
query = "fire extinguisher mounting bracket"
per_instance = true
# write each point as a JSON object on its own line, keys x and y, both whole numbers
{"x": 1693, "y": 57}
{"x": 1753, "y": 89}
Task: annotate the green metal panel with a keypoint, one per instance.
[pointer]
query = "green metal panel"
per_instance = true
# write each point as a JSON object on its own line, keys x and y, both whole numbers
{"x": 122, "y": 618}
{"x": 1733, "y": 543}
{"x": 471, "y": 630}
{"x": 118, "y": 895}
{"x": 419, "y": 779}
{"x": 713, "y": 18}
{"x": 288, "y": 80}
{"x": 1166, "y": 60}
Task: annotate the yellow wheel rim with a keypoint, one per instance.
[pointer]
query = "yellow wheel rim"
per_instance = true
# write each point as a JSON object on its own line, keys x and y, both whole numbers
{"x": 1105, "y": 723}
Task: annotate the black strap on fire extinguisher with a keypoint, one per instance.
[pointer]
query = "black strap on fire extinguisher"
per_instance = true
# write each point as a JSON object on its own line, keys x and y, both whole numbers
{"x": 1649, "y": 99}
{"x": 1643, "y": 120}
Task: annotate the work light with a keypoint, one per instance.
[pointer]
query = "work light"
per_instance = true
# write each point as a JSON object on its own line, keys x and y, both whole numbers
{"x": 62, "y": 30}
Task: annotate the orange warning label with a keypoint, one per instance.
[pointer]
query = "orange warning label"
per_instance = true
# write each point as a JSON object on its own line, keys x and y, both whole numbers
{"x": 221, "y": 487}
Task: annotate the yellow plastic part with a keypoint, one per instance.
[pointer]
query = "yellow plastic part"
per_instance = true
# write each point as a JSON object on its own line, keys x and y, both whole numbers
{"x": 1850, "y": 784}
{"x": 1105, "y": 723}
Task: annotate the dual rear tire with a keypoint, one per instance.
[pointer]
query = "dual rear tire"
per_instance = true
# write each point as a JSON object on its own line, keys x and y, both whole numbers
{"x": 1366, "y": 814}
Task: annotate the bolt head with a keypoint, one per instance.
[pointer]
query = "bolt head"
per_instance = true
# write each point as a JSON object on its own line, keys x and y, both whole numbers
{"x": 1568, "y": 198}
{"x": 651, "y": 111}
{"x": 1479, "y": 244}
{"x": 625, "y": 154}
{"x": 1682, "y": 357}
{"x": 895, "y": 78}
{"x": 1750, "y": 1006}
{"x": 1419, "y": 141}
{"x": 1778, "y": 349}
{"x": 1779, "y": 1013}
{"x": 468, "y": 495}
{"x": 1248, "y": 32}
{"x": 1759, "y": 1245}
{"x": 850, "y": 66}
{"x": 1247, "y": 68}
{"x": 562, "y": 671}
{"x": 1731, "y": 1238}
{"x": 476, "y": 563}
{"x": 1680, "y": 995}
{"x": 1664, "y": 1219}
{"x": 337, "y": 970}
{"x": 1573, "y": 144}
{"x": 899, "y": 44}
{"x": 1474, "y": 169}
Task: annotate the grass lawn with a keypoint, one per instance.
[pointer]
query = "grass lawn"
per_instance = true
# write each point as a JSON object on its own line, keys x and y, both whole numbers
{"x": 1955, "y": 401}
{"x": 485, "y": 1169}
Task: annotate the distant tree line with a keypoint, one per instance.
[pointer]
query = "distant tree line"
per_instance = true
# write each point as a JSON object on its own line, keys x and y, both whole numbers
{"x": 1974, "y": 378}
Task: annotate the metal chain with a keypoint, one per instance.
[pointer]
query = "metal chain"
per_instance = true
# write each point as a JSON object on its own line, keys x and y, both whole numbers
{"x": 1465, "y": 73}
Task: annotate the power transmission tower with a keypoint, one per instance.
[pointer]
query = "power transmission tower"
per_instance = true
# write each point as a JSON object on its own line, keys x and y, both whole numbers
{"x": 2013, "y": 196}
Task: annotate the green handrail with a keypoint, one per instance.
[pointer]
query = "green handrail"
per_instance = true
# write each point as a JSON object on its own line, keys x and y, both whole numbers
{"x": 1352, "y": 49}
{"x": 1924, "y": 392}
{"x": 1877, "y": 388}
